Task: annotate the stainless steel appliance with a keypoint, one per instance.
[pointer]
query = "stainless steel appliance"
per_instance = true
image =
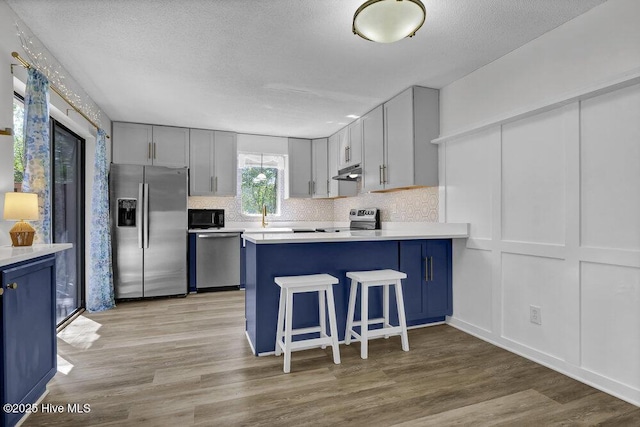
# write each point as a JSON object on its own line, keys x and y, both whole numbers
{"x": 350, "y": 173}
{"x": 217, "y": 261}
{"x": 149, "y": 230}
{"x": 359, "y": 219}
{"x": 206, "y": 218}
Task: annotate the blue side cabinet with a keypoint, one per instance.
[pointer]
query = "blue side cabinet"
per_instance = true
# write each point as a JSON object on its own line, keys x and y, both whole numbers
{"x": 428, "y": 287}
{"x": 28, "y": 333}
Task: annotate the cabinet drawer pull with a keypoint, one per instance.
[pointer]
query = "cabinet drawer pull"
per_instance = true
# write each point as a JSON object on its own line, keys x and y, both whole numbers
{"x": 13, "y": 285}
{"x": 380, "y": 174}
{"x": 149, "y": 151}
{"x": 154, "y": 150}
{"x": 215, "y": 184}
{"x": 384, "y": 174}
{"x": 211, "y": 184}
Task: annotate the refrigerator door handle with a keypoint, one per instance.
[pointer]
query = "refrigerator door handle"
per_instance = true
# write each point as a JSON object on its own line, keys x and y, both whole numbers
{"x": 139, "y": 215}
{"x": 146, "y": 216}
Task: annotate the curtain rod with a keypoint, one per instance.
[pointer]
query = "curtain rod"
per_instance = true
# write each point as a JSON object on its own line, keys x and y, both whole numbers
{"x": 26, "y": 65}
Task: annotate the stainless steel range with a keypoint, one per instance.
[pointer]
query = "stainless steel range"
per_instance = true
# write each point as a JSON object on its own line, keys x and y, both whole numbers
{"x": 359, "y": 219}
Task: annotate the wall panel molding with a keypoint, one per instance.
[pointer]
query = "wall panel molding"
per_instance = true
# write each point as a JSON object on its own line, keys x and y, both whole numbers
{"x": 610, "y": 256}
{"x": 589, "y": 295}
{"x": 542, "y": 250}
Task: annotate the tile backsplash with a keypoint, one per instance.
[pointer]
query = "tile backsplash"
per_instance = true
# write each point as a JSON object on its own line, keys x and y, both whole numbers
{"x": 290, "y": 209}
{"x": 415, "y": 205}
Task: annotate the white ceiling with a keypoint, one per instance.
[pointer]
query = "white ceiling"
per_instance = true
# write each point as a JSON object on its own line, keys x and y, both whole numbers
{"x": 271, "y": 67}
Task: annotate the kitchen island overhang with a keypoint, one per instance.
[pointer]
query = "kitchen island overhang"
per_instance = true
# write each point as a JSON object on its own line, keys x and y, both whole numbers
{"x": 272, "y": 255}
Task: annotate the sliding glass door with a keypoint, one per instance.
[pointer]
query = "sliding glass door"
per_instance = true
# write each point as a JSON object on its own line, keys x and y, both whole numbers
{"x": 67, "y": 193}
{"x": 67, "y": 201}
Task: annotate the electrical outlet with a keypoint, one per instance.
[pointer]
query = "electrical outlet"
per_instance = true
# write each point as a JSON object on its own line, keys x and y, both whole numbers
{"x": 535, "y": 314}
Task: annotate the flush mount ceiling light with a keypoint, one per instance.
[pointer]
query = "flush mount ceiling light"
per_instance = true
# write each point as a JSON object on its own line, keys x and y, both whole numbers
{"x": 387, "y": 21}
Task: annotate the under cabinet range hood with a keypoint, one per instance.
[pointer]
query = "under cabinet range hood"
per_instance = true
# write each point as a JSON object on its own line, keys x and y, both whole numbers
{"x": 350, "y": 173}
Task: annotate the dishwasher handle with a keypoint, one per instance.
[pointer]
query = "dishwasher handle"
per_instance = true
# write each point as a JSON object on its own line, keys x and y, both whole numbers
{"x": 217, "y": 235}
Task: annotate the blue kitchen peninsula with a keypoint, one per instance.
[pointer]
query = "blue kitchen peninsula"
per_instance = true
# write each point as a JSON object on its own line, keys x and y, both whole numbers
{"x": 28, "y": 332}
{"x": 424, "y": 254}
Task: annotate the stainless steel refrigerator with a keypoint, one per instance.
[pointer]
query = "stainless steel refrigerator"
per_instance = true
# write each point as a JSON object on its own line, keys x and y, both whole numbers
{"x": 149, "y": 230}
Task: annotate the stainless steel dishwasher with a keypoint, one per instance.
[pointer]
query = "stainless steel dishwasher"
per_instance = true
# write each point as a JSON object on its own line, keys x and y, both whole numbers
{"x": 217, "y": 260}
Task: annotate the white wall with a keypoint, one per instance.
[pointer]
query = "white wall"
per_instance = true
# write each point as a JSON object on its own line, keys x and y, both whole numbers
{"x": 594, "y": 47}
{"x": 263, "y": 144}
{"x": 8, "y": 84}
{"x": 552, "y": 199}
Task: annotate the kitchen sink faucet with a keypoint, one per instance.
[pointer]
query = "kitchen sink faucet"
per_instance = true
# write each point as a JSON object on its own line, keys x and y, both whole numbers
{"x": 264, "y": 215}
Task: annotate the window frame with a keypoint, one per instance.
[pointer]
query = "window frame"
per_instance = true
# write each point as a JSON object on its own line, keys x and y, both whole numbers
{"x": 279, "y": 182}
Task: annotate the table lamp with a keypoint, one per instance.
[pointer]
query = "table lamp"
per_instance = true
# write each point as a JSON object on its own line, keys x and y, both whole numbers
{"x": 18, "y": 207}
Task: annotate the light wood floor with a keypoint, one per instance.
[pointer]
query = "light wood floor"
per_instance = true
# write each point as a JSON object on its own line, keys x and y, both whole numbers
{"x": 185, "y": 361}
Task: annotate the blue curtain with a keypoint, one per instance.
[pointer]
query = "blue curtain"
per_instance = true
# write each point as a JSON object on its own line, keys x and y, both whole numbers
{"x": 37, "y": 175}
{"x": 100, "y": 288}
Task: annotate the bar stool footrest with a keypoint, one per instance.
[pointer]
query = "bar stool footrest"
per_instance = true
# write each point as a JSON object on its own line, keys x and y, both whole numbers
{"x": 307, "y": 344}
{"x": 375, "y": 333}
{"x": 302, "y": 331}
{"x": 369, "y": 322}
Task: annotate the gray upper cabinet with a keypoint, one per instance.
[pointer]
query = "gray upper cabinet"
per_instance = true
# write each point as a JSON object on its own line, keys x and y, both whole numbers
{"x": 132, "y": 144}
{"x": 170, "y": 146}
{"x": 225, "y": 164}
{"x": 213, "y": 163}
{"x": 319, "y": 168}
{"x": 355, "y": 143}
{"x": 140, "y": 144}
{"x": 300, "y": 179}
{"x": 350, "y": 145}
{"x": 410, "y": 122}
{"x": 373, "y": 150}
{"x": 332, "y": 163}
{"x": 338, "y": 188}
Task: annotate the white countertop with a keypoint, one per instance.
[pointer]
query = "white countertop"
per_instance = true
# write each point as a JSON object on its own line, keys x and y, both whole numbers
{"x": 13, "y": 254}
{"x": 252, "y": 230}
{"x": 427, "y": 231}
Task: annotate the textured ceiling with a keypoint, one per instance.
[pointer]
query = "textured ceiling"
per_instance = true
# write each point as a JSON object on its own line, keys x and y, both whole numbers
{"x": 272, "y": 67}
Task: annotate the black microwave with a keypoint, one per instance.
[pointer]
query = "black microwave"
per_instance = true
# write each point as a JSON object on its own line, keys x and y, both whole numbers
{"x": 206, "y": 218}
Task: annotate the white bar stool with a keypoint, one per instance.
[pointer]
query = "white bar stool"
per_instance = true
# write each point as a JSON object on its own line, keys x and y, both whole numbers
{"x": 367, "y": 279}
{"x": 290, "y": 285}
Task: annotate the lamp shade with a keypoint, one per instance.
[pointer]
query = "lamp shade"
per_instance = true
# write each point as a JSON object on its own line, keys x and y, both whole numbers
{"x": 20, "y": 206}
{"x": 387, "y": 21}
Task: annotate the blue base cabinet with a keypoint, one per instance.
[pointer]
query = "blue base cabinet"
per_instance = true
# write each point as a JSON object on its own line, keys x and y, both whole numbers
{"x": 243, "y": 265}
{"x": 28, "y": 332}
{"x": 191, "y": 257}
{"x": 267, "y": 261}
{"x": 428, "y": 285}
{"x": 426, "y": 301}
